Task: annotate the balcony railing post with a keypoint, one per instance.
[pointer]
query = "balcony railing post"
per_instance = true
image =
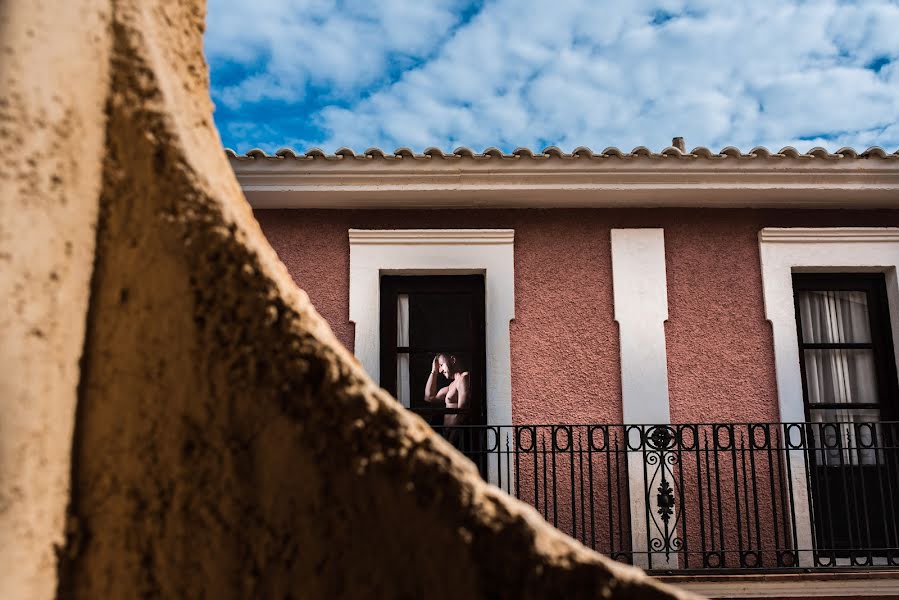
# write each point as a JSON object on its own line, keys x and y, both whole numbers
{"x": 797, "y": 448}
{"x": 652, "y": 489}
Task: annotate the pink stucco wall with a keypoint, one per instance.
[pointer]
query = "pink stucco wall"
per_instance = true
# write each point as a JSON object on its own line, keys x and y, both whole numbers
{"x": 565, "y": 365}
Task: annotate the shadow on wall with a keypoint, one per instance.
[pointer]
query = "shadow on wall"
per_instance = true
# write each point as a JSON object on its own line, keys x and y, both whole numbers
{"x": 226, "y": 445}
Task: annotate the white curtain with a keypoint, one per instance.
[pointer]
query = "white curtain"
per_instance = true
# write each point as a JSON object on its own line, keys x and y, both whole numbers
{"x": 837, "y": 376}
{"x": 844, "y": 437}
{"x": 840, "y": 376}
{"x": 402, "y": 358}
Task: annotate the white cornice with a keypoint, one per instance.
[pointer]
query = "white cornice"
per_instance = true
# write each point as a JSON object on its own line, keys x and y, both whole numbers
{"x": 833, "y": 235}
{"x": 472, "y": 183}
{"x": 431, "y": 236}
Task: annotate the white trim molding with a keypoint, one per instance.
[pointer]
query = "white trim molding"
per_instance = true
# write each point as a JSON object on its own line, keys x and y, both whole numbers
{"x": 640, "y": 291}
{"x": 515, "y": 182}
{"x": 784, "y": 251}
{"x": 438, "y": 252}
{"x": 829, "y": 235}
{"x": 426, "y": 237}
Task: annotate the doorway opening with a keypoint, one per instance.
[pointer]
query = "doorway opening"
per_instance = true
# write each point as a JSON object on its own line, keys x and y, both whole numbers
{"x": 433, "y": 356}
{"x": 852, "y": 404}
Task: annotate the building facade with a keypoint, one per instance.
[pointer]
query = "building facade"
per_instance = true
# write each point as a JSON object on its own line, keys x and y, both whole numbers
{"x": 684, "y": 360}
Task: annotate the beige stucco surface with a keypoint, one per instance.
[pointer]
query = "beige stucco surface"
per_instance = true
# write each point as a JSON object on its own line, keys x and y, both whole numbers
{"x": 53, "y": 86}
{"x": 226, "y": 445}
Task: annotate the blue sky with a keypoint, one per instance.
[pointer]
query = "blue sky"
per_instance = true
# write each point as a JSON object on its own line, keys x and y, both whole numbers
{"x": 509, "y": 73}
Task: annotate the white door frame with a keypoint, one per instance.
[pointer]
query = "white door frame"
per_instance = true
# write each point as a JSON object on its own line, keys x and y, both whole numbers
{"x": 784, "y": 251}
{"x": 376, "y": 252}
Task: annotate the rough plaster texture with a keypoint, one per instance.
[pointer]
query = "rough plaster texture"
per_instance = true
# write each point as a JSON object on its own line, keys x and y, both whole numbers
{"x": 225, "y": 444}
{"x": 51, "y": 145}
{"x": 565, "y": 357}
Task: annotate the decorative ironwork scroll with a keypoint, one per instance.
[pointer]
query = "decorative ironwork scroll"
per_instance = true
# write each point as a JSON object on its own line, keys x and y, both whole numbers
{"x": 660, "y": 456}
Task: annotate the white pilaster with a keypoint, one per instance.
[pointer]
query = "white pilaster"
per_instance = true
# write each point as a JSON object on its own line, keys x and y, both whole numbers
{"x": 641, "y": 308}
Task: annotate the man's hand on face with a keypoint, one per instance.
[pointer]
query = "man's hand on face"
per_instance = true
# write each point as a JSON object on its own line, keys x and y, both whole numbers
{"x": 435, "y": 366}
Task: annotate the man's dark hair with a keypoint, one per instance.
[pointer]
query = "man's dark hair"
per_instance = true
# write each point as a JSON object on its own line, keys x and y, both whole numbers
{"x": 459, "y": 364}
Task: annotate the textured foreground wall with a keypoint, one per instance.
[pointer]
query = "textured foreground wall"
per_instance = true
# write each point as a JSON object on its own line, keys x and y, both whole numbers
{"x": 226, "y": 445}
{"x": 54, "y": 59}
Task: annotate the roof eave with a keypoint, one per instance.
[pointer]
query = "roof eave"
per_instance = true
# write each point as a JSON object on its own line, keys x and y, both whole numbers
{"x": 650, "y": 181}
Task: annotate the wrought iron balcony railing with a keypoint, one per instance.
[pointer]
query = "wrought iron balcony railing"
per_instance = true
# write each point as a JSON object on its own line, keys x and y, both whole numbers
{"x": 757, "y": 496}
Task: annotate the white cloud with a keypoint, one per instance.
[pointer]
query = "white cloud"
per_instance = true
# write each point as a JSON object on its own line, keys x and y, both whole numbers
{"x": 768, "y": 72}
{"x": 343, "y": 45}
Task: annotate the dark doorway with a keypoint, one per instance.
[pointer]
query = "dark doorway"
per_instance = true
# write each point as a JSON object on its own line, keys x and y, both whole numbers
{"x": 428, "y": 318}
{"x": 850, "y": 392}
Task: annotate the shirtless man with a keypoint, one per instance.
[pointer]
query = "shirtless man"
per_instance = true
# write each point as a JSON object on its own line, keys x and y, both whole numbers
{"x": 456, "y": 395}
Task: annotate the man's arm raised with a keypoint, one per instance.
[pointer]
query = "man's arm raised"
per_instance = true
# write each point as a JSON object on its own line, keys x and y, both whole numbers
{"x": 432, "y": 394}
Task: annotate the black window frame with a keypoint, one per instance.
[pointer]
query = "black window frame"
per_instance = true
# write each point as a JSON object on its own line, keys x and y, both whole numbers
{"x": 391, "y": 286}
{"x": 850, "y": 519}
{"x": 882, "y": 343}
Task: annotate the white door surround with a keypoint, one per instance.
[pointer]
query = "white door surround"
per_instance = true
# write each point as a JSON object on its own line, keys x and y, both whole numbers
{"x": 376, "y": 252}
{"x": 784, "y": 251}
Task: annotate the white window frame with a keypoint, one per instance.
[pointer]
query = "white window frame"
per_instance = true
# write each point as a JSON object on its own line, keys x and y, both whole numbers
{"x": 376, "y": 252}
{"x": 784, "y": 251}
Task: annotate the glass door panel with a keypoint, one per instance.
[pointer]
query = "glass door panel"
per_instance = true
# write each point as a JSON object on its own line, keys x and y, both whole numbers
{"x": 433, "y": 357}
{"x": 849, "y": 385}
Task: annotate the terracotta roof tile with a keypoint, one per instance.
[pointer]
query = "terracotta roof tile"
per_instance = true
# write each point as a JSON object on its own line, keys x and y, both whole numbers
{"x": 581, "y": 152}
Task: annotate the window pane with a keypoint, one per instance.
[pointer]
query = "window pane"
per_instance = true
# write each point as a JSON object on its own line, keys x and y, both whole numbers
{"x": 402, "y": 378}
{"x": 441, "y": 322}
{"x": 840, "y": 376}
{"x": 834, "y": 317}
